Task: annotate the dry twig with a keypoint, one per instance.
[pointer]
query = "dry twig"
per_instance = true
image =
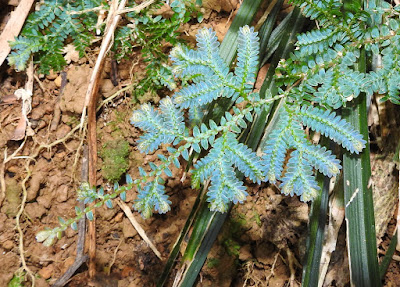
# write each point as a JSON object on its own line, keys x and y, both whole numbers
{"x": 137, "y": 226}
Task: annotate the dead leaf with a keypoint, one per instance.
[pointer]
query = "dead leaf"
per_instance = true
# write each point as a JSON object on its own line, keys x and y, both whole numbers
{"x": 71, "y": 54}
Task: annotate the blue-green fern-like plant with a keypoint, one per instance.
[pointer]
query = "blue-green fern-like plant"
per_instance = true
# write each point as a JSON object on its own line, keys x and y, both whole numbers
{"x": 208, "y": 78}
{"x": 316, "y": 79}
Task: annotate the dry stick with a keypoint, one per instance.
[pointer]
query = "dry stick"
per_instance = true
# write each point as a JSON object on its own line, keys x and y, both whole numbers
{"x": 91, "y": 103}
{"x": 113, "y": 96}
{"x": 137, "y": 8}
{"x": 104, "y": 49}
{"x": 137, "y": 226}
{"x": 80, "y": 256}
{"x": 77, "y": 153}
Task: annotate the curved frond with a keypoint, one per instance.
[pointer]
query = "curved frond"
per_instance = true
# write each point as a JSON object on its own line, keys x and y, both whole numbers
{"x": 172, "y": 117}
{"x": 299, "y": 178}
{"x": 323, "y": 10}
{"x": 275, "y": 150}
{"x": 160, "y": 127}
{"x": 207, "y": 43}
{"x": 199, "y": 94}
{"x": 247, "y": 60}
{"x": 244, "y": 159}
{"x": 332, "y": 126}
{"x": 147, "y": 118}
{"x": 206, "y": 166}
{"x": 152, "y": 196}
{"x": 225, "y": 188}
{"x": 322, "y": 159}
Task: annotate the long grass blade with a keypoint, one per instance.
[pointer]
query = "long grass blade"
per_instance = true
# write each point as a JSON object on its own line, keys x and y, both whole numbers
{"x": 388, "y": 256}
{"x": 315, "y": 240}
{"x": 359, "y": 209}
{"x": 177, "y": 246}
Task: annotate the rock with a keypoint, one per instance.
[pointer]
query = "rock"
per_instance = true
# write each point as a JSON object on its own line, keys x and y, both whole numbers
{"x": 37, "y": 113}
{"x": 33, "y": 190}
{"x": 62, "y": 193}
{"x": 8, "y": 245}
{"x": 47, "y": 271}
{"x": 10, "y": 262}
{"x": 35, "y": 210}
{"x": 69, "y": 232}
{"x": 74, "y": 94}
{"x": 13, "y": 197}
{"x": 124, "y": 74}
{"x": 46, "y": 200}
{"x": 118, "y": 217}
{"x": 106, "y": 86}
{"x": 107, "y": 213}
{"x": 58, "y": 81}
{"x": 164, "y": 11}
{"x": 128, "y": 271}
{"x": 136, "y": 282}
{"x": 123, "y": 283}
{"x": 67, "y": 263}
{"x": 3, "y": 219}
{"x": 263, "y": 253}
{"x": 13, "y": 169}
{"x": 127, "y": 229}
{"x": 221, "y": 29}
{"x": 218, "y": 5}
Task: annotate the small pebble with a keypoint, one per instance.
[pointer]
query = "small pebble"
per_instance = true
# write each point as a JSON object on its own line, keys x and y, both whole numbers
{"x": 46, "y": 272}
{"x": 106, "y": 86}
{"x": 57, "y": 81}
{"x": 62, "y": 193}
{"x": 8, "y": 245}
{"x": 127, "y": 229}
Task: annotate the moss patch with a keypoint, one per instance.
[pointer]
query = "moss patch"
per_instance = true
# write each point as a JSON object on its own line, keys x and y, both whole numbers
{"x": 115, "y": 155}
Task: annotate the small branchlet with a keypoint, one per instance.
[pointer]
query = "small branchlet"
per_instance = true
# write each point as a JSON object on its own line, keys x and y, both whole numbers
{"x": 86, "y": 194}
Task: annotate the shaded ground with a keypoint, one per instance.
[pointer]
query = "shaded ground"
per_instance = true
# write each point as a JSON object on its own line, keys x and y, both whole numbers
{"x": 261, "y": 244}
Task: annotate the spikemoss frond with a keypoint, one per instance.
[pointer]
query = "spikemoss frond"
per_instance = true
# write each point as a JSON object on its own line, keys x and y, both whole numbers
{"x": 247, "y": 59}
{"x": 332, "y": 126}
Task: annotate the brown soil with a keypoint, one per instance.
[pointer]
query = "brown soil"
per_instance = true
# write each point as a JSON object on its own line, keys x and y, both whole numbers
{"x": 258, "y": 243}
